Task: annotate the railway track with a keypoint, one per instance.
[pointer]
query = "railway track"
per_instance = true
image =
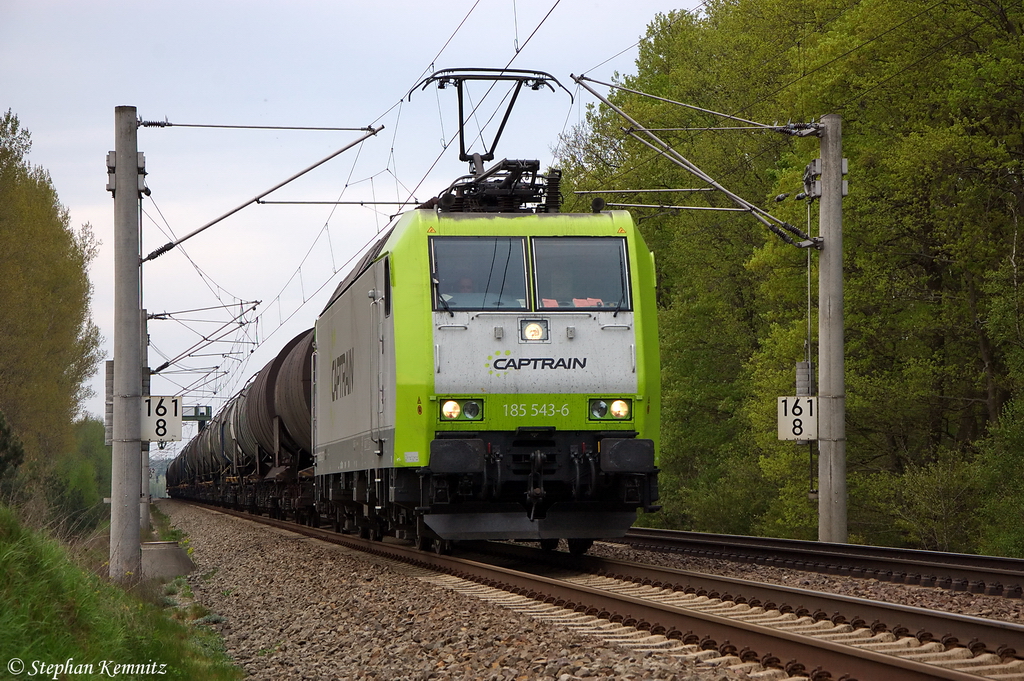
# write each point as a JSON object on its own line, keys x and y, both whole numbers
{"x": 991, "y": 575}
{"x": 788, "y": 633}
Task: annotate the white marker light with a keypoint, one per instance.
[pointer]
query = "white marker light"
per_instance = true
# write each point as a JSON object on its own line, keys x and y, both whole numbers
{"x": 533, "y": 331}
{"x": 620, "y": 409}
{"x": 451, "y": 409}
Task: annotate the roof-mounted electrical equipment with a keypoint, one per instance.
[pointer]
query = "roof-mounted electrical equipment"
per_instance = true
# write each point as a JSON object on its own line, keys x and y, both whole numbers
{"x": 509, "y": 186}
{"x": 535, "y": 80}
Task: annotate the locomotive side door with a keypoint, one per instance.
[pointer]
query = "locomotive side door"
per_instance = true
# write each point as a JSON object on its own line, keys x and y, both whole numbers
{"x": 381, "y": 383}
{"x": 382, "y": 361}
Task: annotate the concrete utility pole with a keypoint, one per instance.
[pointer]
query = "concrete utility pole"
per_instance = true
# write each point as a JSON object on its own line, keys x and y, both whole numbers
{"x": 125, "y": 543}
{"x": 832, "y": 384}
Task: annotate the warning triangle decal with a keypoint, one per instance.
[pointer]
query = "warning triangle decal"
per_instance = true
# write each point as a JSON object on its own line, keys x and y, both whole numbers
{"x": 430, "y": 230}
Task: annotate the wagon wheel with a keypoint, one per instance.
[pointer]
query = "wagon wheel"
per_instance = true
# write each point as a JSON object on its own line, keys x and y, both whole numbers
{"x": 548, "y": 544}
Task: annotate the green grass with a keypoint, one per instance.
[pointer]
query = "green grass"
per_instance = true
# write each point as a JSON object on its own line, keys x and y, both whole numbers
{"x": 52, "y": 610}
{"x": 162, "y": 524}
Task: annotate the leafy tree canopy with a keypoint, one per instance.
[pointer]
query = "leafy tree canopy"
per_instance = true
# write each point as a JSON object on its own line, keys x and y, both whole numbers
{"x": 49, "y": 345}
{"x": 930, "y": 98}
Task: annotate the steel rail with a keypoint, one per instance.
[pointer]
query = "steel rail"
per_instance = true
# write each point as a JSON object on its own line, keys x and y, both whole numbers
{"x": 999, "y": 637}
{"x": 711, "y": 631}
{"x": 992, "y": 575}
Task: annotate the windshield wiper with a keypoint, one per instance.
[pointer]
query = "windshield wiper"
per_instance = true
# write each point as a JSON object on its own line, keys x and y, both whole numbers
{"x": 622, "y": 280}
{"x": 437, "y": 291}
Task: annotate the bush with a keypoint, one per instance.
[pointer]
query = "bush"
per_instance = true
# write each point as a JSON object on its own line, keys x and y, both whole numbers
{"x": 935, "y": 506}
{"x": 1001, "y": 467}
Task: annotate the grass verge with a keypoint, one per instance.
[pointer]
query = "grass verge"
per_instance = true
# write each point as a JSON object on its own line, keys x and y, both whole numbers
{"x": 53, "y": 612}
{"x": 161, "y": 524}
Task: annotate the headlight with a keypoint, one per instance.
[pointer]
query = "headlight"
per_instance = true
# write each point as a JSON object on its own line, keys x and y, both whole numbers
{"x": 471, "y": 409}
{"x": 533, "y": 329}
{"x": 620, "y": 409}
{"x": 610, "y": 410}
{"x": 451, "y": 410}
{"x": 462, "y": 410}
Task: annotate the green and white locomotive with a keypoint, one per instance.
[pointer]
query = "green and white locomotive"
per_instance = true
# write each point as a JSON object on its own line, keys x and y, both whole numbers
{"x": 488, "y": 370}
{"x": 491, "y": 376}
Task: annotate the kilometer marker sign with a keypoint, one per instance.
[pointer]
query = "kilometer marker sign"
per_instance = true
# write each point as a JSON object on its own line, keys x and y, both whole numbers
{"x": 161, "y": 418}
{"x": 798, "y": 418}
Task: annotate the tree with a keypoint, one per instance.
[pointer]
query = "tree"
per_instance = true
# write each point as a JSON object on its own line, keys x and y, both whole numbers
{"x": 934, "y": 338}
{"x": 934, "y": 142}
{"x": 48, "y": 343}
{"x": 81, "y": 479}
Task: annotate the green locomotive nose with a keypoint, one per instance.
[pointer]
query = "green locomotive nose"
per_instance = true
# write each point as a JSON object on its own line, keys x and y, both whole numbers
{"x": 527, "y": 344}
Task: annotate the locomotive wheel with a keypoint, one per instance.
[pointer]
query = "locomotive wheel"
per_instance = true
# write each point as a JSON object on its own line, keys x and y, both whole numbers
{"x": 443, "y": 547}
{"x": 578, "y": 547}
{"x": 548, "y": 544}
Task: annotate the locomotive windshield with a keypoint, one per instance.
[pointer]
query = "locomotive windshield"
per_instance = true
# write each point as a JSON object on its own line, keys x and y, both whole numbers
{"x": 575, "y": 273}
{"x": 479, "y": 273}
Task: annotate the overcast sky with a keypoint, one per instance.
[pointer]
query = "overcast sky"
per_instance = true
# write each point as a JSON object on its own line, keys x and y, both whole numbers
{"x": 65, "y": 66}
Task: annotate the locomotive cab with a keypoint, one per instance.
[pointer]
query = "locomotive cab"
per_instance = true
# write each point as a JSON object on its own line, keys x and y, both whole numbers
{"x": 491, "y": 375}
{"x": 540, "y": 400}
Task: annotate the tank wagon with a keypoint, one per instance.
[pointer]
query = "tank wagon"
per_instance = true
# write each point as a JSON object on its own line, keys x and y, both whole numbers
{"x": 489, "y": 370}
{"x": 250, "y": 454}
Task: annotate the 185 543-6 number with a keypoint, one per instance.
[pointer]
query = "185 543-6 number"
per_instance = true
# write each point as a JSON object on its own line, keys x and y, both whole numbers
{"x": 516, "y": 409}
